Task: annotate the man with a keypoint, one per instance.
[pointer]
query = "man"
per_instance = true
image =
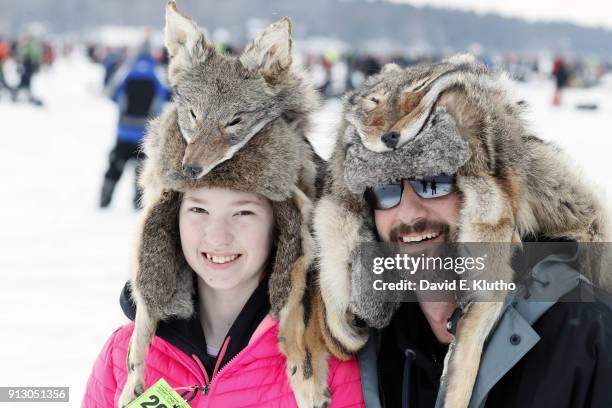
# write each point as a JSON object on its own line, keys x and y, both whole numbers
{"x": 140, "y": 91}
{"x": 456, "y": 125}
{"x": 569, "y": 364}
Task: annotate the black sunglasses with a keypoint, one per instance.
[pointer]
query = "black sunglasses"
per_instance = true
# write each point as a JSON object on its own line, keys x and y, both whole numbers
{"x": 389, "y": 195}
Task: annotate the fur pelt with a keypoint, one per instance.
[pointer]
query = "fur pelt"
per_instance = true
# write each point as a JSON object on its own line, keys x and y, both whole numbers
{"x": 454, "y": 117}
{"x": 162, "y": 280}
{"x": 251, "y": 170}
{"x": 193, "y": 145}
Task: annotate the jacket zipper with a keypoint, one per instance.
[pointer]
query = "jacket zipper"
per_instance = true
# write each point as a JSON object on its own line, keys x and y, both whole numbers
{"x": 208, "y": 383}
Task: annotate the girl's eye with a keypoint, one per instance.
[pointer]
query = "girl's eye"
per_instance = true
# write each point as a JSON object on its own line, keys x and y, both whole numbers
{"x": 192, "y": 113}
{"x": 198, "y": 210}
{"x": 245, "y": 212}
{"x": 234, "y": 122}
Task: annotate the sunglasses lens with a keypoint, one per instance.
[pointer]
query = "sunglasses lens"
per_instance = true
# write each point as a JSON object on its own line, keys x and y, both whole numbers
{"x": 385, "y": 197}
{"x": 432, "y": 187}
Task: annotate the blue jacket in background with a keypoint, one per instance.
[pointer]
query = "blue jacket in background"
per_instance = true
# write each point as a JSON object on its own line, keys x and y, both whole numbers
{"x": 140, "y": 92}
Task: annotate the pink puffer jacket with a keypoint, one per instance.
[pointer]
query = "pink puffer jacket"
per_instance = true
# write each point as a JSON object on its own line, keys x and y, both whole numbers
{"x": 255, "y": 377}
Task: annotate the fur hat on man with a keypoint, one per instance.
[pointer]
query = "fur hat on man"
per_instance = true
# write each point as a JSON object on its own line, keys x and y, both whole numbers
{"x": 456, "y": 118}
{"x": 275, "y": 161}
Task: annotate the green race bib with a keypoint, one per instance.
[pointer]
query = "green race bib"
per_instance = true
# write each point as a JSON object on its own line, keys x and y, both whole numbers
{"x": 159, "y": 395}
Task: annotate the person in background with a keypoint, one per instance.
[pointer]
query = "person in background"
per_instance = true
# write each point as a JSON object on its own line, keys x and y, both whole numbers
{"x": 5, "y": 53}
{"x": 561, "y": 74}
{"x": 29, "y": 56}
{"x": 111, "y": 62}
{"x": 139, "y": 89}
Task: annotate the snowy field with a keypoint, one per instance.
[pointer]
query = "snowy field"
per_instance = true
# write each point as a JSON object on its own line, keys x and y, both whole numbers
{"x": 64, "y": 261}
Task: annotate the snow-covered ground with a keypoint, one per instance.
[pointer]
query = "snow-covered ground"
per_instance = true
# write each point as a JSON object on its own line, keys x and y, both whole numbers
{"x": 64, "y": 261}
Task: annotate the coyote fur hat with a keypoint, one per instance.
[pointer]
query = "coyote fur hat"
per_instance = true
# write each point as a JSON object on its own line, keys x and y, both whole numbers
{"x": 458, "y": 118}
{"x": 198, "y": 142}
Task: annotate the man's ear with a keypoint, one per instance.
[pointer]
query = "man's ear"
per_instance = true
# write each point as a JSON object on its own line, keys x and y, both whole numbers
{"x": 270, "y": 53}
{"x": 185, "y": 42}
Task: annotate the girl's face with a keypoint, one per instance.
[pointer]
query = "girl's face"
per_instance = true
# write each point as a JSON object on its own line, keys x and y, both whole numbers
{"x": 226, "y": 236}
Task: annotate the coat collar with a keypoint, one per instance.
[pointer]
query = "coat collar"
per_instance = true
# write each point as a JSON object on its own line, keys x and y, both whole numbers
{"x": 514, "y": 336}
{"x": 188, "y": 336}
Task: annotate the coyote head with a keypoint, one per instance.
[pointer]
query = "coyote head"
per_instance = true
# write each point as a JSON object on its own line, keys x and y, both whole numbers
{"x": 392, "y": 107}
{"x": 223, "y": 101}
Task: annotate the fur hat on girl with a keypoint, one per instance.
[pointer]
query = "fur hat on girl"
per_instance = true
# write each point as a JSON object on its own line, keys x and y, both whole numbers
{"x": 237, "y": 123}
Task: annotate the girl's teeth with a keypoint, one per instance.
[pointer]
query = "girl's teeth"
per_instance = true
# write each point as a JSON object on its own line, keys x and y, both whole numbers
{"x": 221, "y": 259}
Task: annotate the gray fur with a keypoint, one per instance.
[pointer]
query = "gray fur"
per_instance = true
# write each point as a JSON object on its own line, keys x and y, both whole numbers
{"x": 224, "y": 101}
{"x": 270, "y": 164}
{"x": 165, "y": 280}
{"x": 437, "y": 149}
{"x": 370, "y": 307}
{"x": 220, "y": 88}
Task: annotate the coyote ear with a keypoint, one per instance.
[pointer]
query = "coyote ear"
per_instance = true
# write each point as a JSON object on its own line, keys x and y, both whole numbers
{"x": 391, "y": 67}
{"x": 270, "y": 53}
{"x": 184, "y": 40}
{"x": 459, "y": 59}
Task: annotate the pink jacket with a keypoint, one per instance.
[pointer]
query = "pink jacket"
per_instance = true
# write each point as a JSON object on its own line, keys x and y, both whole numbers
{"x": 255, "y": 377}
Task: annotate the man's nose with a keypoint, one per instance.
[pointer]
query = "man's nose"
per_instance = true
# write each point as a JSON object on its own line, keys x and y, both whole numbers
{"x": 411, "y": 207}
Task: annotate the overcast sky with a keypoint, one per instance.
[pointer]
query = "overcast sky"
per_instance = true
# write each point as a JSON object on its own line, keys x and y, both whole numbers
{"x": 585, "y": 12}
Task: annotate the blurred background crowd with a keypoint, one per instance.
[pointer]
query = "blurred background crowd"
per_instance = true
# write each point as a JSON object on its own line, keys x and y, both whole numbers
{"x": 333, "y": 68}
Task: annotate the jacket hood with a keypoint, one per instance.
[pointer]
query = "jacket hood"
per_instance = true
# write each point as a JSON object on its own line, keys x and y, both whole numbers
{"x": 437, "y": 149}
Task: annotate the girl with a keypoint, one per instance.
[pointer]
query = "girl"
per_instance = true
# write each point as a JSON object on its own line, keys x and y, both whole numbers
{"x": 228, "y": 348}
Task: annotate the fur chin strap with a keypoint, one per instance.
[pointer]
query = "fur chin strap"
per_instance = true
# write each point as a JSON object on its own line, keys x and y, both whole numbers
{"x": 437, "y": 149}
{"x": 365, "y": 303}
{"x": 163, "y": 279}
{"x": 288, "y": 249}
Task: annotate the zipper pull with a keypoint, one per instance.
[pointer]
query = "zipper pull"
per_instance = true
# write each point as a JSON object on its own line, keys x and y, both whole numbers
{"x": 205, "y": 388}
{"x": 193, "y": 389}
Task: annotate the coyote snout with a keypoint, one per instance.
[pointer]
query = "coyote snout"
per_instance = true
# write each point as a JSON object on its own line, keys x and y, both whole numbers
{"x": 201, "y": 156}
{"x": 390, "y": 139}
